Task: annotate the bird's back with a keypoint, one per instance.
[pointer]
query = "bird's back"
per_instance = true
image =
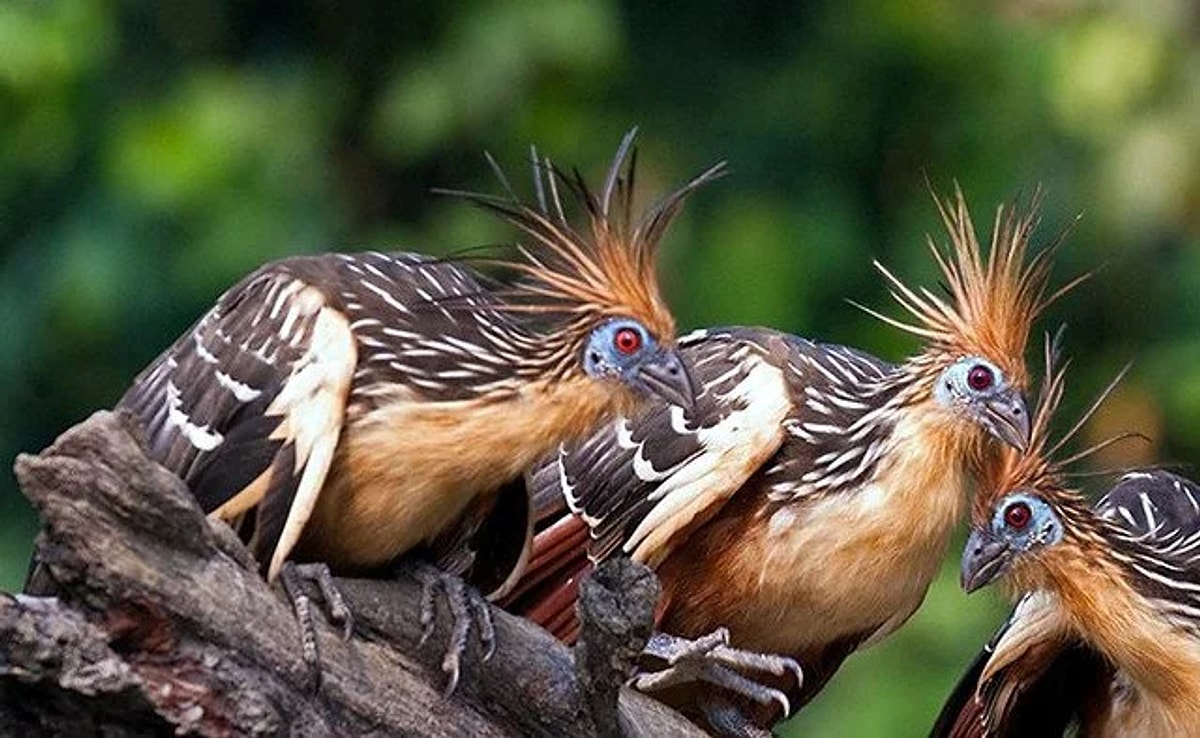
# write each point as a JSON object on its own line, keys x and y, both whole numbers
{"x": 206, "y": 397}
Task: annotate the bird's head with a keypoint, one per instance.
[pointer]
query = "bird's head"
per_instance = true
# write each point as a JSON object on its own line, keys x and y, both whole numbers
{"x": 1022, "y": 525}
{"x": 973, "y": 361}
{"x": 595, "y": 288}
{"x": 977, "y": 391}
{"x": 1024, "y": 510}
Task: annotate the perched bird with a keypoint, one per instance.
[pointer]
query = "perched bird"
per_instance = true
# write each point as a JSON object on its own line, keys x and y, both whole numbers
{"x": 804, "y": 503}
{"x": 352, "y": 408}
{"x": 1106, "y": 635}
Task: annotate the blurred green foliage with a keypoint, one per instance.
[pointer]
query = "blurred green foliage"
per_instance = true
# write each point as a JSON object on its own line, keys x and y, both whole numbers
{"x": 151, "y": 153}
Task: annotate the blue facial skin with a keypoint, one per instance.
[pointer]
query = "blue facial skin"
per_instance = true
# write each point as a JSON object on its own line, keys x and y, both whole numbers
{"x": 1020, "y": 523}
{"x": 978, "y": 387}
{"x": 1044, "y": 527}
{"x": 602, "y": 358}
{"x": 954, "y": 387}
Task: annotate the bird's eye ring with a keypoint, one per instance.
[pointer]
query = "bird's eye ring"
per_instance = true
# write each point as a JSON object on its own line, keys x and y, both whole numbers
{"x": 627, "y": 340}
{"x": 1017, "y": 515}
{"x": 980, "y": 378}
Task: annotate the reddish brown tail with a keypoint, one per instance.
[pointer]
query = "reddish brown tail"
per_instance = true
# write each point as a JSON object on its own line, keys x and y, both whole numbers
{"x": 546, "y": 593}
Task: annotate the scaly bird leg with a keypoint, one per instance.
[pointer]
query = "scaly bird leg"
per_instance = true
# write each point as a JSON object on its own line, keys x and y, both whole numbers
{"x": 336, "y": 610}
{"x": 467, "y": 608}
{"x": 710, "y": 659}
{"x": 727, "y": 720}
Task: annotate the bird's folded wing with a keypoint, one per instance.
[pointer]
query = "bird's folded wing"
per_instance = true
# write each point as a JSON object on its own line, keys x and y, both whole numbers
{"x": 247, "y": 406}
{"x": 838, "y": 432}
{"x": 1155, "y": 503}
{"x": 1031, "y": 679}
{"x": 1156, "y": 514}
{"x": 640, "y": 482}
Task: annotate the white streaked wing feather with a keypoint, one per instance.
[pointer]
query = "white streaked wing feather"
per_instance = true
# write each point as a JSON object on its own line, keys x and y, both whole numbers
{"x": 732, "y": 451}
{"x": 313, "y": 403}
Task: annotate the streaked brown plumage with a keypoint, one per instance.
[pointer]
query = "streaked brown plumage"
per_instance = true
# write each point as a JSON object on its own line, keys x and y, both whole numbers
{"x": 806, "y": 500}
{"x": 349, "y": 408}
{"x": 1107, "y": 632}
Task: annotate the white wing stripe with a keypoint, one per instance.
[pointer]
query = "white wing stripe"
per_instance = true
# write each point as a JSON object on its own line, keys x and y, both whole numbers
{"x": 199, "y": 436}
{"x": 732, "y": 450}
{"x": 242, "y": 391}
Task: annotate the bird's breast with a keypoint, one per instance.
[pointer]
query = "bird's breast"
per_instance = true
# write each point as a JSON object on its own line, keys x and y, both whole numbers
{"x": 407, "y": 471}
{"x": 795, "y": 578}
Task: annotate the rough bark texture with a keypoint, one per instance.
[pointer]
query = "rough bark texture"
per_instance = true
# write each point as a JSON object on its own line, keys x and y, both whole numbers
{"x": 163, "y": 626}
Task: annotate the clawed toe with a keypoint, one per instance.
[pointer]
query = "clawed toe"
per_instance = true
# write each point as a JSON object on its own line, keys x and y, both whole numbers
{"x": 753, "y": 661}
{"x": 335, "y": 608}
{"x": 335, "y": 605}
{"x": 710, "y": 659}
{"x": 467, "y": 608}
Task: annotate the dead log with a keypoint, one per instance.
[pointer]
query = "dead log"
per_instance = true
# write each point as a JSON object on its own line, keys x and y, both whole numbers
{"x": 163, "y": 626}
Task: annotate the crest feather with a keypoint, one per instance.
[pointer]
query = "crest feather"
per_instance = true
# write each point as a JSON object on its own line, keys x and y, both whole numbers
{"x": 992, "y": 299}
{"x": 605, "y": 269}
{"x": 1040, "y": 467}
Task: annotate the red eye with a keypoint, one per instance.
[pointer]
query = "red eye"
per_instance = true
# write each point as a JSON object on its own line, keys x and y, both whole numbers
{"x": 627, "y": 340}
{"x": 1017, "y": 515}
{"x": 980, "y": 378}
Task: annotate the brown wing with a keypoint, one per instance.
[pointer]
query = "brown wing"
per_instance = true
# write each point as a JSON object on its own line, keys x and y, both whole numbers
{"x": 247, "y": 406}
{"x": 800, "y": 413}
{"x": 642, "y": 481}
{"x": 1028, "y": 681}
{"x": 767, "y": 403}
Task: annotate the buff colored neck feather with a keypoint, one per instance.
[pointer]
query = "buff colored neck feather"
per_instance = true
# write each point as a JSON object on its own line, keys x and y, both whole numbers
{"x": 1161, "y": 661}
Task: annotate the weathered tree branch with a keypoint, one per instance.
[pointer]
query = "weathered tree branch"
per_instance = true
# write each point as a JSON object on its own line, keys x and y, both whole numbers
{"x": 162, "y": 625}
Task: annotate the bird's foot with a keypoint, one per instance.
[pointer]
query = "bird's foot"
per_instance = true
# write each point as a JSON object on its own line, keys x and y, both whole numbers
{"x": 467, "y": 608}
{"x": 292, "y": 575}
{"x": 710, "y": 659}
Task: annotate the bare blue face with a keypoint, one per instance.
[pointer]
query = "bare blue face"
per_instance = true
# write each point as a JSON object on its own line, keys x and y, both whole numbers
{"x": 1026, "y": 522}
{"x": 1021, "y": 523}
{"x": 976, "y": 387}
{"x": 622, "y": 349}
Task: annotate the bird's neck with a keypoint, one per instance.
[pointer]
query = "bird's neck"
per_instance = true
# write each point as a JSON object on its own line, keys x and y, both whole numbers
{"x": 1161, "y": 660}
{"x": 924, "y": 469}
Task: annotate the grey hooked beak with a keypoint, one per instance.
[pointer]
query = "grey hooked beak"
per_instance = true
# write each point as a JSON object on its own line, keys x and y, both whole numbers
{"x": 984, "y": 559}
{"x": 665, "y": 375}
{"x": 1007, "y": 417}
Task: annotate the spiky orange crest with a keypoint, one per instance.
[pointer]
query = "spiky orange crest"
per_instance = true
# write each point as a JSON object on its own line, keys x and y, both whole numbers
{"x": 993, "y": 298}
{"x": 606, "y": 269}
{"x": 1039, "y": 468}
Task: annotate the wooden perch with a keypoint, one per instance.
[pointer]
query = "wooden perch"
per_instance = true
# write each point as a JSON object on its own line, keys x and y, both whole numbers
{"x": 162, "y": 625}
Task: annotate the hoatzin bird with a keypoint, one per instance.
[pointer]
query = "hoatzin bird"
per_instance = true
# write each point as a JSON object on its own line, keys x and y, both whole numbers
{"x": 351, "y": 408}
{"x": 1106, "y": 637}
{"x": 804, "y": 503}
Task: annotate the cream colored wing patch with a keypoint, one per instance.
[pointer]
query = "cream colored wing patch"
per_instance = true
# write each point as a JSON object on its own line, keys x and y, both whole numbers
{"x": 731, "y": 452}
{"x": 312, "y": 404}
